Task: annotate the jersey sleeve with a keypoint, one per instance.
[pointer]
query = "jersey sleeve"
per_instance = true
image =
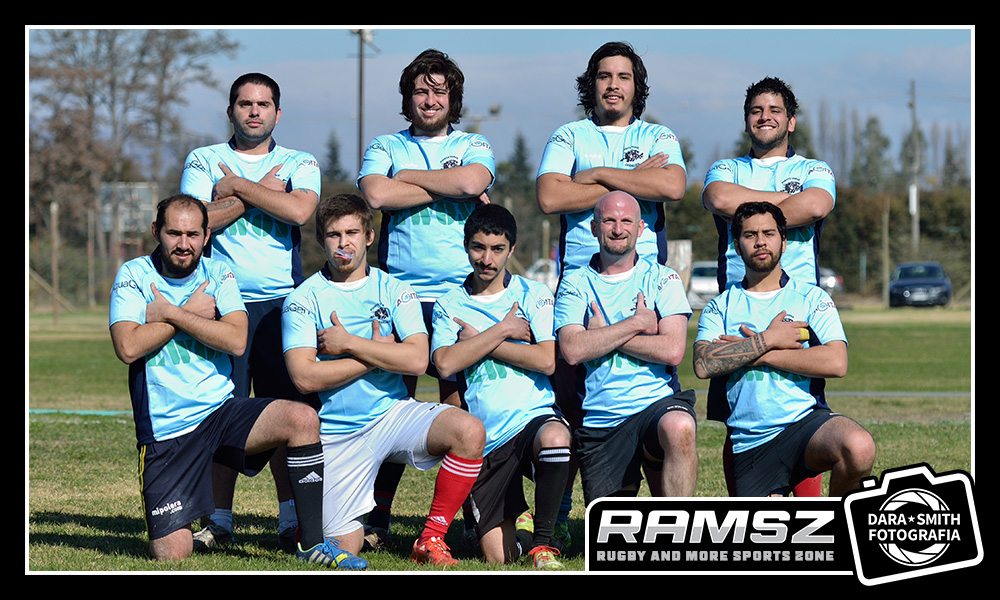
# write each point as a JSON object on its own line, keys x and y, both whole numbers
{"x": 558, "y": 156}
{"x": 479, "y": 152}
{"x": 376, "y": 160}
{"x": 666, "y": 142}
{"x": 445, "y": 329}
{"x": 305, "y": 173}
{"x": 670, "y": 298}
{"x": 820, "y": 175}
{"x": 228, "y": 297}
{"x": 298, "y": 322}
{"x": 128, "y": 303}
{"x": 407, "y": 317}
{"x": 542, "y": 315}
{"x": 710, "y": 323}
{"x": 825, "y": 320}
{"x": 197, "y": 180}
{"x": 571, "y": 305}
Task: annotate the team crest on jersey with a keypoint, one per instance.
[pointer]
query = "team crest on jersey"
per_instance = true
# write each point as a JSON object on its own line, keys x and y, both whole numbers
{"x": 451, "y": 161}
{"x": 632, "y": 155}
{"x": 792, "y": 186}
{"x": 380, "y": 312}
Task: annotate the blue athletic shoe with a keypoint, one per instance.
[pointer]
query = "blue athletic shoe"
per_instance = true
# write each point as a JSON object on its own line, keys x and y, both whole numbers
{"x": 329, "y": 554}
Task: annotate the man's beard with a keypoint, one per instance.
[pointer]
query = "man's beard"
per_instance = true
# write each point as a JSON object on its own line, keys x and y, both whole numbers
{"x": 175, "y": 270}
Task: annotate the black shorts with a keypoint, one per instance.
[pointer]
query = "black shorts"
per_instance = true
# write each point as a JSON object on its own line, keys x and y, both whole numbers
{"x": 610, "y": 458}
{"x": 778, "y": 465}
{"x": 261, "y": 369}
{"x": 498, "y": 493}
{"x": 175, "y": 475}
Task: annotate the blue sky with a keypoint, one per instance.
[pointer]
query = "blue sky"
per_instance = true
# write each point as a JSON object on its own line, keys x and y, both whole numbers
{"x": 697, "y": 76}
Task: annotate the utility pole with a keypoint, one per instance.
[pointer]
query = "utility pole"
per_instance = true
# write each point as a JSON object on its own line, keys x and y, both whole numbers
{"x": 364, "y": 38}
{"x": 915, "y": 174}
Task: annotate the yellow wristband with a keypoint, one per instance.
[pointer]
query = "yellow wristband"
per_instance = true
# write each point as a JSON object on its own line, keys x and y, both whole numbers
{"x": 803, "y": 334}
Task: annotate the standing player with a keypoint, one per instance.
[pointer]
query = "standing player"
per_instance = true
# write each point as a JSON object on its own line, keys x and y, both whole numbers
{"x": 425, "y": 179}
{"x": 177, "y": 319}
{"x": 774, "y": 340}
{"x": 258, "y": 194}
{"x": 350, "y": 334}
{"x": 611, "y": 149}
{"x": 495, "y": 332}
{"x": 625, "y": 319}
{"x": 771, "y": 172}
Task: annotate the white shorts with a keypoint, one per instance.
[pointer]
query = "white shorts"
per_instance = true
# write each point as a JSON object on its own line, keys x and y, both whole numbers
{"x": 352, "y": 460}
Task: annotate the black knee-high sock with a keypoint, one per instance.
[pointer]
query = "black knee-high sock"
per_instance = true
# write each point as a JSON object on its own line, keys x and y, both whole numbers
{"x": 551, "y": 473}
{"x": 305, "y": 474}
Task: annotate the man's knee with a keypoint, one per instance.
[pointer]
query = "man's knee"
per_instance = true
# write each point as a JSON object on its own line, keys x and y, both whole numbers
{"x": 173, "y": 546}
{"x": 677, "y": 430}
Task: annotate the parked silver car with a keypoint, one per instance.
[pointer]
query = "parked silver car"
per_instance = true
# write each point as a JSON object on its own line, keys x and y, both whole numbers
{"x": 831, "y": 281}
{"x": 704, "y": 283}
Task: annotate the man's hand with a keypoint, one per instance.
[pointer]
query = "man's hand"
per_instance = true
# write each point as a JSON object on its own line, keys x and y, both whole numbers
{"x": 157, "y": 310}
{"x": 271, "y": 181}
{"x": 645, "y": 316}
{"x": 781, "y": 334}
{"x": 200, "y": 303}
{"x": 514, "y": 326}
{"x": 333, "y": 340}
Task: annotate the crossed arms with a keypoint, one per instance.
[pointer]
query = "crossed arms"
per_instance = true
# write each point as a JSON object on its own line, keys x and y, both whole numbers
{"x": 653, "y": 179}
{"x": 499, "y": 342}
{"x": 413, "y": 187}
{"x": 164, "y": 320}
{"x": 357, "y": 356}
{"x": 641, "y": 335}
{"x": 778, "y": 346}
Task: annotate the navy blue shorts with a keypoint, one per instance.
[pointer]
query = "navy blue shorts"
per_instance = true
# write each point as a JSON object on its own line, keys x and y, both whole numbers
{"x": 176, "y": 474}
{"x": 778, "y": 465}
{"x": 610, "y": 458}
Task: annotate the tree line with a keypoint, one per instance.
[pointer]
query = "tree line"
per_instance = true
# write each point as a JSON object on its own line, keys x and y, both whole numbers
{"x": 106, "y": 106}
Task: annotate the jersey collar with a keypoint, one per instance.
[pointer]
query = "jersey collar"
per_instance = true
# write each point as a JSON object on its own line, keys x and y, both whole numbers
{"x": 467, "y": 284}
{"x": 781, "y": 282}
{"x": 232, "y": 144}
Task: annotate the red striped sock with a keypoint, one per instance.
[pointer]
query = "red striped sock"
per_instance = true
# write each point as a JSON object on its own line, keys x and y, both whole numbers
{"x": 452, "y": 486}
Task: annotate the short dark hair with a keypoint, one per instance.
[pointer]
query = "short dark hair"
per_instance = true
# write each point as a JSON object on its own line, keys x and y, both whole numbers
{"x": 256, "y": 79}
{"x": 427, "y": 63}
{"x": 182, "y": 199}
{"x": 586, "y": 84}
{"x": 771, "y": 85}
{"x": 750, "y": 209}
{"x": 342, "y": 205}
{"x": 491, "y": 219}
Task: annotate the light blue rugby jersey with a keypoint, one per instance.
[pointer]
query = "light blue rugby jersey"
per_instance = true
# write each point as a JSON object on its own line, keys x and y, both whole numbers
{"x": 422, "y": 245}
{"x": 307, "y": 309}
{"x": 763, "y": 400}
{"x": 263, "y": 251}
{"x": 504, "y": 397}
{"x": 618, "y": 385}
{"x": 175, "y": 387}
{"x": 792, "y": 174}
{"x": 583, "y": 145}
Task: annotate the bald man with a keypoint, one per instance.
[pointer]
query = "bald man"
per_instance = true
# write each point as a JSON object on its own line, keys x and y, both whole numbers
{"x": 625, "y": 319}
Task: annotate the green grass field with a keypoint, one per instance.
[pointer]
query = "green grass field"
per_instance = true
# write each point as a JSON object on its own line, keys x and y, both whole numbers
{"x": 909, "y": 383}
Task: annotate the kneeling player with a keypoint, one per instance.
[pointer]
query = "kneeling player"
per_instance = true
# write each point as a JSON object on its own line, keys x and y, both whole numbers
{"x": 176, "y": 319}
{"x": 495, "y": 332}
{"x": 350, "y": 333}
{"x": 777, "y": 340}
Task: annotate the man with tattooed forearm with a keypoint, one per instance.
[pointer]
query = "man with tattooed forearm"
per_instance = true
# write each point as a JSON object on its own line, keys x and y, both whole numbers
{"x": 776, "y": 341}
